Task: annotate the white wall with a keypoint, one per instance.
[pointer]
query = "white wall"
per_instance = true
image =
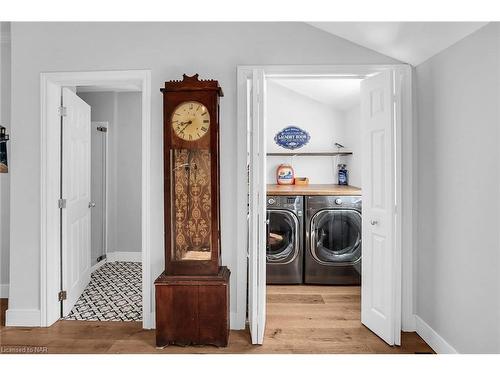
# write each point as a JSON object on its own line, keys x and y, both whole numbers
{"x": 5, "y": 177}
{"x": 459, "y": 193}
{"x": 352, "y": 120}
{"x": 325, "y": 125}
{"x": 123, "y": 112}
{"x": 214, "y": 50}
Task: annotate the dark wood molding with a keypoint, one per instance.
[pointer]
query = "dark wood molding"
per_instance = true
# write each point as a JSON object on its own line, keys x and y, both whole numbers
{"x": 191, "y": 84}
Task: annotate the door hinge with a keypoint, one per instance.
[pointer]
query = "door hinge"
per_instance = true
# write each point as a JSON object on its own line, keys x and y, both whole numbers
{"x": 62, "y": 110}
{"x": 61, "y": 203}
{"x": 62, "y": 295}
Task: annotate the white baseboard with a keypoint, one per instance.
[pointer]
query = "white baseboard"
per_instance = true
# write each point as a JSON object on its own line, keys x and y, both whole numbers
{"x": 98, "y": 265}
{"x": 431, "y": 337}
{"x": 22, "y": 318}
{"x": 4, "y": 290}
{"x": 123, "y": 256}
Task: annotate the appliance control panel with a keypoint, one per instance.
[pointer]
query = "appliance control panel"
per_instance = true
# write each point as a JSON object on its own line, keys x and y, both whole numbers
{"x": 292, "y": 203}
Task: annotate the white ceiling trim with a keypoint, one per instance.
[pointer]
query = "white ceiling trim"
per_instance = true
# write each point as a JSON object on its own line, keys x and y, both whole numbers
{"x": 410, "y": 42}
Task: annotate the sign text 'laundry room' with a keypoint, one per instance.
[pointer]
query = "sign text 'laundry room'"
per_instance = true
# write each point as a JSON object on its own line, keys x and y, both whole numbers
{"x": 292, "y": 137}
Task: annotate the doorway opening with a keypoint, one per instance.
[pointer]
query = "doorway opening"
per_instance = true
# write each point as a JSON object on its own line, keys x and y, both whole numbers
{"x": 95, "y": 197}
{"x": 102, "y": 281}
{"x": 361, "y": 142}
{"x": 314, "y": 205}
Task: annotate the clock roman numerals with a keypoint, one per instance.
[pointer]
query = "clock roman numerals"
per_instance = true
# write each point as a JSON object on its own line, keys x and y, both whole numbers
{"x": 190, "y": 121}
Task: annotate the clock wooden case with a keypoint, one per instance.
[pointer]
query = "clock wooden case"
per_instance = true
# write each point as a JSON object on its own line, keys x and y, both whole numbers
{"x": 192, "y": 294}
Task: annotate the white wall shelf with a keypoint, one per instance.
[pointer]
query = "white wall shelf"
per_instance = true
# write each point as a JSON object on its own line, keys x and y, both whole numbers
{"x": 335, "y": 153}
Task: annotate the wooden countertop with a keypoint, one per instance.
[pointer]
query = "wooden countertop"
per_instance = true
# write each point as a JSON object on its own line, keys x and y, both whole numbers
{"x": 312, "y": 189}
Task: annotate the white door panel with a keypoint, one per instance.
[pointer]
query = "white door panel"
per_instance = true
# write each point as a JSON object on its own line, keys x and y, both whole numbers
{"x": 377, "y": 289}
{"x": 76, "y": 132}
{"x": 257, "y": 219}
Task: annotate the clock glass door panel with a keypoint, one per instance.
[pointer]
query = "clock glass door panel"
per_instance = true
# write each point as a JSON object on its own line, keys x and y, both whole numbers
{"x": 191, "y": 204}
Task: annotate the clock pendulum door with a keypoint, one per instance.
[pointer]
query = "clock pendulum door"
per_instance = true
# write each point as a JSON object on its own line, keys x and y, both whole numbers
{"x": 192, "y": 234}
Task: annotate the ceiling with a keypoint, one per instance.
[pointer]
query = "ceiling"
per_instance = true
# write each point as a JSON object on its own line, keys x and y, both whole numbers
{"x": 340, "y": 93}
{"x": 409, "y": 42}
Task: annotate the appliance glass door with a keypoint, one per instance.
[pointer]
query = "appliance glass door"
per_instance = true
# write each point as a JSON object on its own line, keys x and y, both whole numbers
{"x": 336, "y": 236}
{"x": 282, "y": 236}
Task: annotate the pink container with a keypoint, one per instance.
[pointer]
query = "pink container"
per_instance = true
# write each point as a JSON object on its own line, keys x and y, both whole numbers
{"x": 285, "y": 175}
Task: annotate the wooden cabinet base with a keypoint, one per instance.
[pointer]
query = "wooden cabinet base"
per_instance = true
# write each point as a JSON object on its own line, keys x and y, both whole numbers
{"x": 192, "y": 310}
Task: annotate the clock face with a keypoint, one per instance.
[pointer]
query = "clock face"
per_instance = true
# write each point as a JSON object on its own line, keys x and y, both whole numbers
{"x": 190, "y": 121}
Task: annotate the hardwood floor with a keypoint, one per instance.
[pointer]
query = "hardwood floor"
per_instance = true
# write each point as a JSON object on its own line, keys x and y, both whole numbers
{"x": 300, "y": 319}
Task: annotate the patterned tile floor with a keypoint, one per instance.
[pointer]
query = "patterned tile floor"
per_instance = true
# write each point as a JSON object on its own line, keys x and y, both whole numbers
{"x": 113, "y": 294}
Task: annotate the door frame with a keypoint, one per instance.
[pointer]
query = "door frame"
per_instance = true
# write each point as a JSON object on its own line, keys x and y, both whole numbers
{"x": 405, "y": 167}
{"x": 50, "y": 182}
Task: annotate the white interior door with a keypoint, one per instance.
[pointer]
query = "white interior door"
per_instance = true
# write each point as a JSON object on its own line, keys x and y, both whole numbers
{"x": 76, "y": 241}
{"x": 379, "y": 286}
{"x": 257, "y": 204}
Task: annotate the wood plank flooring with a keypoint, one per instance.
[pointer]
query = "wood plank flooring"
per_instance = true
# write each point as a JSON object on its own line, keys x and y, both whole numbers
{"x": 300, "y": 319}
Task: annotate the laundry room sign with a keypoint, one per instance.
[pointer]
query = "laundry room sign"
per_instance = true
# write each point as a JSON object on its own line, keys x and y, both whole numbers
{"x": 292, "y": 137}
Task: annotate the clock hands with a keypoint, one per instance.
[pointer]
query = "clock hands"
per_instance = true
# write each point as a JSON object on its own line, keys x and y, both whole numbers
{"x": 187, "y": 124}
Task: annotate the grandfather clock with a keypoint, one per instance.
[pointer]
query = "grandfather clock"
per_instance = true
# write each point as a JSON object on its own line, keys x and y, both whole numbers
{"x": 192, "y": 294}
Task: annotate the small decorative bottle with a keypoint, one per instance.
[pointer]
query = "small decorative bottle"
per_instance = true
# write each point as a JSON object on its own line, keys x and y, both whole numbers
{"x": 343, "y": 174}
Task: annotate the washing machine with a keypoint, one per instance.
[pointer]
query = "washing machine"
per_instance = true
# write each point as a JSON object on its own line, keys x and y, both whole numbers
{"x": 333, "y": 240}
{"x": 284, "y": 250}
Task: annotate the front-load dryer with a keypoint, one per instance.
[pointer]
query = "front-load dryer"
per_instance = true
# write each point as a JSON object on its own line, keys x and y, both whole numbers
{"x": 284, "y": 250}
{"x": 333, "y": 240}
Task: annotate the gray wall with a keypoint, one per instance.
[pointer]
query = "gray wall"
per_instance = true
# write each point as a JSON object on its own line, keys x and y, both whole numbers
{"x": 459, "y": 198}
{"x": 4, "y": 177}
{"x": 128, "y": 190}
{"x": 214, "y": 50}
{"x": 123, "y": 112}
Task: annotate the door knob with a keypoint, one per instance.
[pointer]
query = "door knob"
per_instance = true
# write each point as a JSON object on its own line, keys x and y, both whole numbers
{"x": 374, "y": 222}
{"x": 91, "y": 204}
